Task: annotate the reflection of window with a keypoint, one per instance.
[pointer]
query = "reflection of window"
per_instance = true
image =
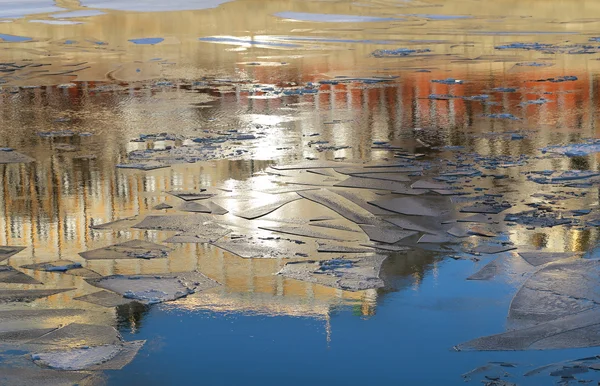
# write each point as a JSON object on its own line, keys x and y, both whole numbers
{"x": 149, "y": 184}
{"x": 177, "y": 179}
{"x": 43, "y": 228}
{"x": 95, "y": 184}
{"x": 70, "y": 227}
{"x": 122, "y": 186}
{"x": 16, "y": 227}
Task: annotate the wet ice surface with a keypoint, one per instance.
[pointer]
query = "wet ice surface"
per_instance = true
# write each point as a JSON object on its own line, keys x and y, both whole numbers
{"x": 389, "y": 199}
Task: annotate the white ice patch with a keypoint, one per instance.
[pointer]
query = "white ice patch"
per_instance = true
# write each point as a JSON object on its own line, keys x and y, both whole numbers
{"x": 153, "y": 5}
{"x": 76, "y": 359}
{"x": 21, "y": 8}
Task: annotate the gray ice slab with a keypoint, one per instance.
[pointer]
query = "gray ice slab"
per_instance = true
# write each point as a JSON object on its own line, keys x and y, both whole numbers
{"x": 162, "y": 206}
{"x": 485, "y": 208}
{"x": 576, "y": 330}
{"x": 120, "y": 224}
{"x": 308, "y": 232}
{"x": 388, "y": 247}
{"x": 341, "y": 225}
{"x": 37, "y": 376}
{"x": 12, "y": 320}
{"x": 191, "y": 206}
{"x": 477, "y": 218}
{"x": 481, "y": 231}
{"x": 362, "y": 198}
{"x": 215, "y": 209}
{"x": 458, "y": 231}
{"x": 341, "y": 205}
{"x": 144, "y": 166}
{"x": 492, "y": 249}
{"x": 538, "y": 219}
{"x": 255, "y": 211}
{"x": 537, "y": 258}
{"x": 132, "y": 249}
{"x": 440, "y": 238}
{"x": 151, "y": 289}
{"x": 346, "y": 274}
{"x": 386, "y": 234}
{"x": 332, "y": 247}
{"x": 328, "y": 172}
{"x": 8, "y": 251}
{"x": 14, "y": 295}
{"x": 446, "y": 192}
{"x": 425, "y": 224}
{"x": 254, "y": 249}
{"x": 557, "y": 290}
{"x": 489, "y": 271}
{"x": 192, "y": 195}
{"x": 413, "y": 206}
{"x": 207, "y": 233}
{"x": 181, "y": 223}
{"x": 13, "y": 157}
{"x": 424, "y": 184}
{"x": 77, "y": 335}
{"x": 103, "y": 357}
{"x": 75, "y": 359}
{"x": 313, "y": 165}
{"x": 63, "y": 266}
{"x": 104, "y": 299}
{"x": 23, "y": 336}
{"x": 128, "y": 351}
{"x": 383, "y": 176}
{"x": 10, "y": 275}
{"x": 354, "y": 171}
{"x": 369, "y": 183}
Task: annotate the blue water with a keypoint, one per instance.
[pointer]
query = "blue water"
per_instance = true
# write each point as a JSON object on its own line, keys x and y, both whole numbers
{"x": 407, "y": 342}
{"x": 14, "y": 38}
{"x": 150, "y": 41}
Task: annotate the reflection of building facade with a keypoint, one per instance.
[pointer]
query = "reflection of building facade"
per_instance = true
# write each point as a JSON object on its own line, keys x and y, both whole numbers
{"x": 49, "y": 205}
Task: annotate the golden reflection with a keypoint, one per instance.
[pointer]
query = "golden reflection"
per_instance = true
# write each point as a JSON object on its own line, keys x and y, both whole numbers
{"x": 50, "y": 205}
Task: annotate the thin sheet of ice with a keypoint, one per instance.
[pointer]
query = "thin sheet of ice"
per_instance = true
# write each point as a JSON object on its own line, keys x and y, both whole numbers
{"x": 440, "y": 17}
{"x": 575, "y": 149}
{"x": 246, "y": 41}
{"x": 56, "y": 22}
{"x": 152, "y": 5}
{"x": 82, "y": 13}
{"x": 21, "y": 8}
{"x": 331, "y": 18}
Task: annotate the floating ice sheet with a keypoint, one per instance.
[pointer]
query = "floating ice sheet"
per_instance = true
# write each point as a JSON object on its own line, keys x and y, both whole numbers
{"x": 132, "y": 249}
{"x": 332, "y": 18}
{"x": 257, "y": 208}
{"x": 557, "y": 290}
{"x": 347, "y": 274}
{"x": 341, "y": 205}
{"x": 9, "y": 156}
{"x": 413, "y": 206}
{"x": 15, "y": 295}
{"x": 537, "y": 258}
{"x": 105, "y": 299}
{"x": 155, "y": 289}
{"x": 10, "y": 275}
{"x": 386, "y": 234}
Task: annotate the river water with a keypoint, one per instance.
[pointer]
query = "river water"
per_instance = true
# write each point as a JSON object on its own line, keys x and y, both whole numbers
{"x": 84, "y": 84}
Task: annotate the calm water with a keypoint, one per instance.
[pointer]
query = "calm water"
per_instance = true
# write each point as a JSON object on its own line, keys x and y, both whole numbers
{"x": 212, "y": 67}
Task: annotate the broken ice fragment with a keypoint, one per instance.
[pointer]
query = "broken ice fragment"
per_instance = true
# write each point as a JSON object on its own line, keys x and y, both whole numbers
{"x": 346, "y": 274}
{"x": 10, "y": 275}
{"x": 155, "y": 289}
{"x": 132, "y": 249}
